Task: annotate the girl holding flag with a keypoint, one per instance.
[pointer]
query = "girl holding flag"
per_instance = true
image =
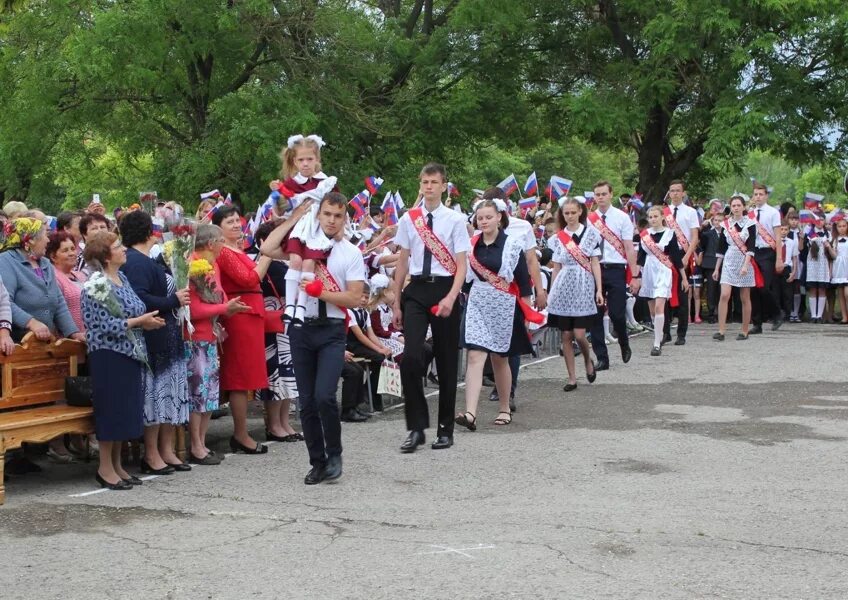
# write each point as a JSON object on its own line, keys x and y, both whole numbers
{"x": 500, "y": 284}
{"x": 735, "y": 267}
{"x": 575, "y": 284}
{"x": 661, "y": 259}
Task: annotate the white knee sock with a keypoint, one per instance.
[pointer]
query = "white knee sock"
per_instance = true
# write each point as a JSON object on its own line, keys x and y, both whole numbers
{"x": 822, "y": 303}
{"x": 796, "y": 304}
{"x": 292, "y": 289}
{"x": 607, "y": 327}
{"x": 302, "y": 297}
{"x": 631, "y": 318}
{"x": 659, "y": 322}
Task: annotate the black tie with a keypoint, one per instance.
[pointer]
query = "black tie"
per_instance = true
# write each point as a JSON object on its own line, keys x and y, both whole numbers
{"x": 675, "y": 213}
{"x": 759, "y": 210}
{"x": 428, "y": 256}
{"x": 604, "y": 219}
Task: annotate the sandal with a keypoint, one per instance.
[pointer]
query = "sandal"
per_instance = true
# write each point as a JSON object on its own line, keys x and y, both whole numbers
{"x": 501, "y": 421}
{"x": 463, "y": 420}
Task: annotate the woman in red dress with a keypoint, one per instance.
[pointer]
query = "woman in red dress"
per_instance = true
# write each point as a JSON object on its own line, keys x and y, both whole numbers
{"x": 243, "y": 352}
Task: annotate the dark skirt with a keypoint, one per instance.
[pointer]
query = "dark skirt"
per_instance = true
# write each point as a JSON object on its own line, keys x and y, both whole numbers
{"x": 519, "y": 343}
{"x": 117, "y": 396}
{"x": 570, "y": 323}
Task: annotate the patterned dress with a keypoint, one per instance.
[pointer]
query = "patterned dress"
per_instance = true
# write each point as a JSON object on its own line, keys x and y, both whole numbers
{"x": 278, "y": 359}
{"x": 573, "y": 291}
{"x": 488, "y": 308}
{"x": 733, "y": 257}
{"x": 818, "y": 268}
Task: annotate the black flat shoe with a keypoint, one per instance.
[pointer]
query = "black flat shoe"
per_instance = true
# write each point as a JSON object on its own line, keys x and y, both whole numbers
{"x": 352, "y": 416}
{"x": 656, "y": 351}
{"x": 626, "y": 354}
{"x": 412, "y": 441}
{"x": 148, "y": 470}
{"x": 741, "y": 337}
{"x": 718, "y": 336}
{"x": 182, "y": 467}
{"x": 602, "y": 365}
{"x": 133, "y": 480}
{"x": 443, "y": 442}
{"x": 680, "y": 341}
{"x": 569, "y": 387}
{"x": 120, "y": 485}
{"x": 270, "y": 437}
{"x": 591, "y": 377}
{"x": 237, "y": 446}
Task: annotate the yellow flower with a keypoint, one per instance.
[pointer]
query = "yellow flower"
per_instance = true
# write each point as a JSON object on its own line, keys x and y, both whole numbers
{"x": 199, "y": 268}
{"x": 168, "y": 250}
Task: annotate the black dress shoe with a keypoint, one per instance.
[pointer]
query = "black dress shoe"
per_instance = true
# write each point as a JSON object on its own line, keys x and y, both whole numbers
{"x": 602, "y": 365}
{"x": 352, "y": 416}
{"x": 776, "y": 324}
{"x": 120, "y": 485}
{"x": 133, "y": 480}
{"x": 333, "y": 469}
{"x": 755, "y": 330}
{"x": 315, "y": 475}
{"x": 270, "y": 437}
{"x": 442, "y": 442}
{"x": 626, "y": 353}
{"x": 412, "y": 441}
{"x": 569, "y": 387}
{"x": 681, "y": 341}
{"x": 236, "y": 446}
{"x": 148, "y": 470}
{"x": 182, "y": 467}
{"x": 591, "y": 377}
{"x": 666, "y": 338}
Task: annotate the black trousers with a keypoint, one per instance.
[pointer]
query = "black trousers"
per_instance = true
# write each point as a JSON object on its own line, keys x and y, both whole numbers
{"x": 713, "y": 291}
{"x": 615, "y": 292}
{"x": 360, "y": 350}
{"x": 786, "y": 290}
{"x": 765, "y": 301}
{"x": 416, "y": 300}
{"x": 682, "y": 311}
{"x": 318, "y": 358}
{"x": 353, "y": 385}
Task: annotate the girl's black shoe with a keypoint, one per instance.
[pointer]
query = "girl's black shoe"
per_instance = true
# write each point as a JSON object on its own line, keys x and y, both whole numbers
{"x": 121, "y": 485}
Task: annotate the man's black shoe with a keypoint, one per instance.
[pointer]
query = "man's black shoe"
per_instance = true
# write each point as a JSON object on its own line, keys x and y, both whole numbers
{"x": 412, "y": 441}
{"x": 315, "y": 475}
{"x": 602, "y": 365}
{"x": 681, "y": 341}
{"x": 626, "y": 353}
{"x": 755, "y": 330}
{"x": 353, "y": 416}
{"x": 333, "y": 469}
{"x": 442, "y": 442}
{"x": 666, "y": 338}
{"x": 776, "y": 324}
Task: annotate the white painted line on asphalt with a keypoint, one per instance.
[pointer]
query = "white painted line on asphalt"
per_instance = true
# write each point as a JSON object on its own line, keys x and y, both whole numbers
{"x": 92, "y": 492}
{"x": 460, "y": 551}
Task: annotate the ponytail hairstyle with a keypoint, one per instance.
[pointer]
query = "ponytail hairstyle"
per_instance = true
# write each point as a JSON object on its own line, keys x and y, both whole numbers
{"x": 288, "y": 154}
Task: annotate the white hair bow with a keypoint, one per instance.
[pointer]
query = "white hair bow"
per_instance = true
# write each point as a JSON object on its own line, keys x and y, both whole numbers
{"x": 293, "y": 140}
{"x": 500, "y": 205}
{"x": 379, "y": 282}
{"x": 319, "y": 141}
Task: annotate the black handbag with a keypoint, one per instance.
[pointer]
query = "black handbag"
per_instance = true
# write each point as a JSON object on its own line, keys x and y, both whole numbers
{"x": 78, "y": 391}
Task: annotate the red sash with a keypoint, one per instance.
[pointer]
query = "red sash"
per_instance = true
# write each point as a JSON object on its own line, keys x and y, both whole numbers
{"x": 682, "y": 240}
{"x": 500, "y": 284}
{"x": 574, "y": 250}
{"x": 608, "y": 234}
{"x": 661, "y": 256}
{"x": 740, "y": 245}
{"x": 331, "y": 285}
{"x": 763, "y": 232}
{"x": 431, "y": 241}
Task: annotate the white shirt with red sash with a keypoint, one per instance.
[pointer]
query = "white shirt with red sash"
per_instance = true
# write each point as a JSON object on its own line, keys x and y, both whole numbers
{"x": 345, "y": 264}
{"x": 448, "y": 225}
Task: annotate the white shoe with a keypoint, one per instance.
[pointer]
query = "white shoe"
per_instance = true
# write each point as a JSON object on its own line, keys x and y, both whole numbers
{"x": 610, "y": 339}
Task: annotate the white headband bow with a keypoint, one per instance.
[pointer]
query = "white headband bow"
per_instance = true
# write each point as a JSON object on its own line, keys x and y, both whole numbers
{"x": 379, "y": 282}
{"x": 299, "y": 138}
{"x": 500, "y": 205}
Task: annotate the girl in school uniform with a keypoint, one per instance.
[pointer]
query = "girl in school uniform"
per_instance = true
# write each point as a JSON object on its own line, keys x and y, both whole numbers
{"x": 661, "y": 259}
{"x": 818, "y": 269}
{"x": 575, "y": 285}
{"x": 735, "y": 266}
{"x": 839, "y": 270}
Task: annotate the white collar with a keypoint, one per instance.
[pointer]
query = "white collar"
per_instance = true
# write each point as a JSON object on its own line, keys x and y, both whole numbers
{"x": 426, "y": 212}
{"x": 579, "y": 232}
{"x": 298, "y": 178}
{"x": 652, "y": 230}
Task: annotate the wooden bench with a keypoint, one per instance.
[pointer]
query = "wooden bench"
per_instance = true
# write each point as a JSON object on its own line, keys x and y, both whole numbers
{"x": 32, "y": 392}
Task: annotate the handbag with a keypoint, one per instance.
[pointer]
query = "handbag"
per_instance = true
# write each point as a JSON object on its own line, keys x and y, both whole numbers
{"x": 389, "y": 382}
{"x": 78, "y": 391}
{"x": 274, "y": 318}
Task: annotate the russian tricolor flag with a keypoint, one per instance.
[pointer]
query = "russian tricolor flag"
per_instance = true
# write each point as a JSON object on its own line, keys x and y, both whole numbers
{"x": 527, "y": 204}
{"x": 590, "y": 199}
{"x": 390, "y": 211}
{"x": 373, "y": 184}
{"x": 453, "y": 191}
{"x": 560, "y": 186}
{"x": 531, "y": 188}
{"x": 812, "y": 201}
{"x": 360, "y": 204}
{"x": 807, "y": 216}
{"x": 399, "y": 201}
{"x": 509, "y": 185}
{"x": 636, "y": 203}
{"x": 212, "y": 194}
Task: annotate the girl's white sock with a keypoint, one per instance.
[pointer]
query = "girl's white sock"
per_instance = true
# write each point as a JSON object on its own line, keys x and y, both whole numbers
{"x": 659, "y": 322}
{"x": 292, "y": 289}
{"x": 796, "y": 304}
{"x": 302, "y": 296}
{"x": 631, "y": 318}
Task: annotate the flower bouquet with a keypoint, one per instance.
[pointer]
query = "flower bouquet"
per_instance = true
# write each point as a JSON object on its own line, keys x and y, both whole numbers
{"x": 178, "y": 251}
{"x": 99, "y": 288}
{"x": 201, "y": 275}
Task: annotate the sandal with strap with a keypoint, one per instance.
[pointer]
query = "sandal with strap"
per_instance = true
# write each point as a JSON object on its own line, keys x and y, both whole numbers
{"x": 501, "y": 421}
{"x": 463, "y": 420}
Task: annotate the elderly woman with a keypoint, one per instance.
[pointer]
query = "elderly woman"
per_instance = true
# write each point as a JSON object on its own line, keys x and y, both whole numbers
{"x": 208, "y": 304}
{"x": 115, "y": 354}
{"x": 166, "y": 402}
{"x": 62, "y": 252}
{"x": 37, "y": 301}
{"x": 243, "y": 364}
